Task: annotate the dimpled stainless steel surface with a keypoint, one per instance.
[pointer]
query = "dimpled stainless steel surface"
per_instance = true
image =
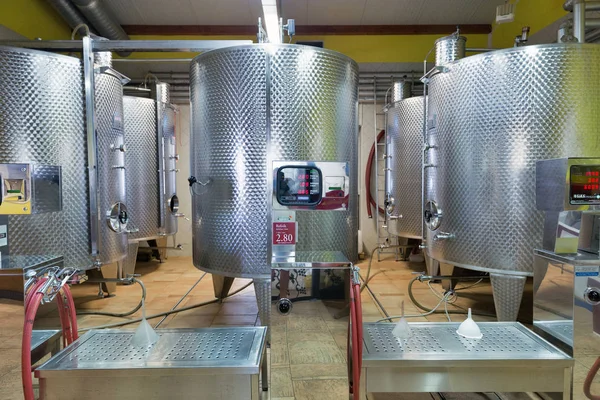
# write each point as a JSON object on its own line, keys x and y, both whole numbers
{"x": 141, "y": 166}
{"x": 405, "y": 147}
{"x": 42, "y": 122}
{"x": 252, "y": 105}
{"x": 493, "y": 116}
{"x": 170, "y": 151}
{"x": 439, "y": 341}
{"x": 110, "y": 349}
{"x": 449, "y": 49}
{"x": 111, "y": 163}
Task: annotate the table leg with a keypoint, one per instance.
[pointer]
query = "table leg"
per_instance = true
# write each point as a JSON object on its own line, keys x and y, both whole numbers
{"x": 265, "y": 372}
{"x": 567, "y": 389}
{"x": 363, "y": 384}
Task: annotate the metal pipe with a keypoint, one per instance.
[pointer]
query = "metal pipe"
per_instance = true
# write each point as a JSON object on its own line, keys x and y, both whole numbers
{"x": 101, "y": 19}
{"x": 592, "y": 23}
{"x": 579, "y": 20}
{"x": 478, "y": 49}
{"x": 70, "y": 14}
{"x": 152, "y": 60}
{"x": 592, "y": 5}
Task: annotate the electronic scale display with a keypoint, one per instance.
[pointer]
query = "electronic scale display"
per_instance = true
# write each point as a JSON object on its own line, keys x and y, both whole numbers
{"x": 584, "y": 184}
{"x": 299, "y": 186}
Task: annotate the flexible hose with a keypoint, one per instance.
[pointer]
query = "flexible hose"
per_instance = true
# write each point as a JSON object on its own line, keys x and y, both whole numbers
{"x": 187, "y": 308}
{"x": 369, "y": 197}
{"x": 121, "y": 315}
{"x": 587, "y": 385}
{"x": 34, "y": 304}
{"x": 355, "y": 343}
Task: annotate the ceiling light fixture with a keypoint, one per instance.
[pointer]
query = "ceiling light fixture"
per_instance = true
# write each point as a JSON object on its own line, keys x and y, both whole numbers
{"x": 271, "y": 20}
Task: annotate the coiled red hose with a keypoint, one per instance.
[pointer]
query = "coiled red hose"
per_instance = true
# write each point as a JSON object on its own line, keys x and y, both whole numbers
{"x": 355, "y": 340}
{"x": 369, "y": 197}
{"x": 68, "y": 321}
{"x": 587, "y": 385}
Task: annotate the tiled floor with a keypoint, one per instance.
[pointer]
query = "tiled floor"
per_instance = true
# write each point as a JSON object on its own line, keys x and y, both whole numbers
{"x": 308, "y": 349}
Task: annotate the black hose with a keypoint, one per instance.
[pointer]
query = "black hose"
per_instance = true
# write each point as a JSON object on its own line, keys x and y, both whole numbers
{"x": 121, "y": 315}
{"x": 426, "y": 309}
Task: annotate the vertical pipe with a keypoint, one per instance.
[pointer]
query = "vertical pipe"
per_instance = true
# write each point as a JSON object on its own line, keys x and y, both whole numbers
{"x": 579, "y": 20}
{"x": 90, "y": 120}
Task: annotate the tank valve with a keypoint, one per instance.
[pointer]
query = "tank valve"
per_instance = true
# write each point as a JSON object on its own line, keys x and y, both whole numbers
{"x": 592, "y": 296}
{"x": 284, "y": 306}
{"x": 175, "y": 157}
{"x": 443, "y": 236}
{"x": 122, "y": 148}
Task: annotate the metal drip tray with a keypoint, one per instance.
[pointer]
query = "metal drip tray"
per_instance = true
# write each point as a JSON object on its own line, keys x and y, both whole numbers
{"x": 439, "y": 341}
{"x": 223, "y": 350}
{"x": 312, "y": 259}
{"x": 44, "y": 342}
{"x": 562, "y": 330}
{"x": 437, "y": 359}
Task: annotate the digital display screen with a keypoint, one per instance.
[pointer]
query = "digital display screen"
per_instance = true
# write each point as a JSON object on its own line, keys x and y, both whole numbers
{"x": 299, "y": 186}
{"x": 585, "y": 184}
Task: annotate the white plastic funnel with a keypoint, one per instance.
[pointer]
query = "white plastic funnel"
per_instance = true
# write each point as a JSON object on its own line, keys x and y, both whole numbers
{"x": 402, "y": 329}
{"x": 144, "y": 335}
{"x": 469, "y": 328}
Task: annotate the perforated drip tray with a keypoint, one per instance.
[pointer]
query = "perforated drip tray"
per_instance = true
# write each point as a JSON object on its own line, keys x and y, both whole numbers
{"x": 562, "y": 330}
{"x": 438, "y": 341}
{"x": 225, "y": 349}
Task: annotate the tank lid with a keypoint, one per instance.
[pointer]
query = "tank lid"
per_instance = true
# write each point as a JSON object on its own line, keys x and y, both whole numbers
{"x": 449, "y": 49}
{"x": 401, "y": 89}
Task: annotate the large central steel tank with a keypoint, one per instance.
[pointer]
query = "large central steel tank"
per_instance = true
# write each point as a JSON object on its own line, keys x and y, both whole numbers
{"x": 490, "y": 118}
{"x": 404, "y": 132}
{"x": 42, "y": 126}
{"x": 253, "y": 105}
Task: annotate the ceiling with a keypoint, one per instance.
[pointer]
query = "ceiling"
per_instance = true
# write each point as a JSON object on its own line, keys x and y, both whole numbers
{"x": 305, "y": 12}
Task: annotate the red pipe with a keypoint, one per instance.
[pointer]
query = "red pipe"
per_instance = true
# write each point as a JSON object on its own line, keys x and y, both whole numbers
{"x": 369, "y": 197}
{"x": 589, "y": 379}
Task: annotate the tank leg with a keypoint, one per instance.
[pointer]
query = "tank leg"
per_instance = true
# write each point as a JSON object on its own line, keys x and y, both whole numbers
{"x": 222, "y": 285}
{"x": 128, "y": 264}
{"x": 262, "y": 290}
{"x": 432, "y": 266}
{"x": 508, "y": 293}
{"x": 447, "y": 270}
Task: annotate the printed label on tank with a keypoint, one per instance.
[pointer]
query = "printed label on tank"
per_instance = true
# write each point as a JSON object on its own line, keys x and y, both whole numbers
{"x": 586, "y": 271}
{"x": 118, "y": 121}
{"x": 284, "y": 233}
{"x": 3, "y": 236}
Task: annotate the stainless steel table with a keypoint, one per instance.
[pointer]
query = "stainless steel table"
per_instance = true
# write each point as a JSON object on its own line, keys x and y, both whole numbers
{"x": 43, "y": 342}
{"x": 509, "y": 358}
{"x": 207, "y": 363}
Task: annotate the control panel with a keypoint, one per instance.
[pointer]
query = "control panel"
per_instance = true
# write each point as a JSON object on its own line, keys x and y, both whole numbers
{"x": 584, "y": 184}
{"x": 299, "y": 186}
{"x": 28, "y": 190}
{"x": 310, "y": 185}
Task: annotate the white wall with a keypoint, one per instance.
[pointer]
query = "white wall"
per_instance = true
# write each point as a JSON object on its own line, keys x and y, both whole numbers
{"x": 366, "y": 138}
{"x": 367, "y": 135}
{"x": 182, "y": 132}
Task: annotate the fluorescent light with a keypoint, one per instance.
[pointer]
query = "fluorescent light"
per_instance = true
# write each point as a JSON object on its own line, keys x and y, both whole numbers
{"x": 271, "y": 20}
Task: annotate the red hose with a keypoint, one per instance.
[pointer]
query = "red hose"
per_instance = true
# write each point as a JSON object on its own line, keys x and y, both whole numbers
{"x": 589, "y": 379}
{"x": 30, "y": 312}
{"x": 356, "y": 339}
{"x": 369, "y": 197}
{"x": 68, "y": 321}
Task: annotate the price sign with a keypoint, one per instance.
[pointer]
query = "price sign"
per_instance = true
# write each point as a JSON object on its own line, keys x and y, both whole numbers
{"x": 284, "y": 233}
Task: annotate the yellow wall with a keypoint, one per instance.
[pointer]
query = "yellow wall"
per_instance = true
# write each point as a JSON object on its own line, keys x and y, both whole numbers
{"x": 536, "y": 14}
{"x": 361, "y": 48}
{"x": 33, "y": 19}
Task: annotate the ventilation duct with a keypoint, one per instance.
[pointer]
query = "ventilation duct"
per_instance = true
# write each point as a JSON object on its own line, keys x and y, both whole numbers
{"x": 69, "y": 13}
{"x": 92, "y": 13}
